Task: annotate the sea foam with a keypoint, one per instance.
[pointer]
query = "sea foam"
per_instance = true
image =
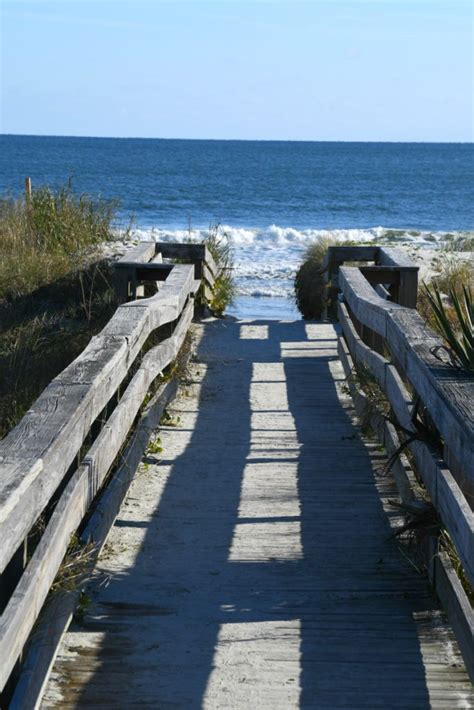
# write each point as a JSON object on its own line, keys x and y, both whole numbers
{"x": 266, "y": 259}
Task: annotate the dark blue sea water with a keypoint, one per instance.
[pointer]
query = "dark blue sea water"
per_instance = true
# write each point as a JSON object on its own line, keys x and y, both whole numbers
{"x": 273, "y": 197}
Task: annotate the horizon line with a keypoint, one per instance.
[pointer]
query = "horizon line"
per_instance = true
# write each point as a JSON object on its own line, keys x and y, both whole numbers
{"x": 235, "y": 140}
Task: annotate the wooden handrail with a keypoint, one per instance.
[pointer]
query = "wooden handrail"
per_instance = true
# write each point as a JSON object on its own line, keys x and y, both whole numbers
{"x": 447, "y": 395}
{"x": 37, "y": 458}
{"x": 397, "y": 347}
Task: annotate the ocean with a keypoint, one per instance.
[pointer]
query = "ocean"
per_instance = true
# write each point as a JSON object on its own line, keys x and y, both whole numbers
{"x": 272, "y": 198}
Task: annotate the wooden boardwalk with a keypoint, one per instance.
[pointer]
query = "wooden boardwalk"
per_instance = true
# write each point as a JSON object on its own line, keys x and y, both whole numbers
{"x": 253, "y": 566}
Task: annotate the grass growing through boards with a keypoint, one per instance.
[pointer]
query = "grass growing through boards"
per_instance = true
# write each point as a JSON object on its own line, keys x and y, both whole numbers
{"x": 55, "y": 289}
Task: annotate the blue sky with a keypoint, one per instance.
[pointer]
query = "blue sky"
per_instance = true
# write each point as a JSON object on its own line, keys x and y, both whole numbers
{"x": 310, "y": 70}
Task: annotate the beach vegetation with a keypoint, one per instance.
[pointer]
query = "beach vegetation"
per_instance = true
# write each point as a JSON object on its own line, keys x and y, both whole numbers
{"x": 48, "y": 234}
{"x": 55, "y": 290}
{"x": 310, "y": 285}
{"x": 218, "y": 242}
{"x": 446, "y": 304}
{"x": 459, "y": 243}
{"x": 455, "y": 322}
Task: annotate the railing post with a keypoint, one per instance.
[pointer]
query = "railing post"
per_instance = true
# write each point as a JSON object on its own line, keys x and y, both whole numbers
{"x": 408, "y": 288}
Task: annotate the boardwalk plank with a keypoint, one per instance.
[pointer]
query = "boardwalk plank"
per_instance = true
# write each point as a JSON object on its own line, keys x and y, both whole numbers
{"x": 252, "y": 566}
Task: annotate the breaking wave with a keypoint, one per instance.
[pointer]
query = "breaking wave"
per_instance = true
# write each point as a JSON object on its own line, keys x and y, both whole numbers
{"x": 266, "y": 259}
{"x": 275, "y": 236}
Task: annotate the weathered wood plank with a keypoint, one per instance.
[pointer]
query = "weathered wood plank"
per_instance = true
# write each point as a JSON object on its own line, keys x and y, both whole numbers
{"x": 448, "y": 398}
{"x": 24, "y": 606}
{"x": 142, "y": 253}
{"x": 453, "y": 510}
{"x": 196, "y": 287}
{"x": 174, "y": 250}
{"x": 458, "y": 608}
{"x": 208, "y": 275}
{"x": 42, "y": 649}
{"x": 446, "y": 494}
{"x": 382, "y": 292}
{"x": 401, "y": 470}
{"x": 108, "y": 443}
{"x": 109, "y": 505}
{"x": 206, "y": 541}
{"x": 353, "y": 253}
{"x": 391, "y": 256}
{"x": 375, "y": 362}
{"x": 38, "y": 452}
{"x": 210, "y": 263}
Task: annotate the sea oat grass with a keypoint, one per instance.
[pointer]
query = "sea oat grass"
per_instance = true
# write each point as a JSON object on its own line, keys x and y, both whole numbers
{"x": 47, "y": 236}
{"x": 55, "y": 290}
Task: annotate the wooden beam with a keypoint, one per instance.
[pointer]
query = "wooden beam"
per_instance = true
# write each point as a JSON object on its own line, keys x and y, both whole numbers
{"x": 447, "y": 396}
{"x": 25, "y": 604}
{"x": 37, "y": 453}
{"x": 444, "y": 490}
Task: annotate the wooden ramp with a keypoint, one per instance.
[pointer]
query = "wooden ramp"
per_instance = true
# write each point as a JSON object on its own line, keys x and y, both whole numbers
{"x": 253, "y": 566}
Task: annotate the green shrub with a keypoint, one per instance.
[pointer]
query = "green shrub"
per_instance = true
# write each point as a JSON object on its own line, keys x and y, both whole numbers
{"x": 310, "y": 285}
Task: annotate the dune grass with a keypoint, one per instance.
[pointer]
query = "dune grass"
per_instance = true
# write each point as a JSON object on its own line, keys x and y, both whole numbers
{"x": 310, "y": 286}
{"x": 55, "y": 290}
{"x": 47, "y": 236}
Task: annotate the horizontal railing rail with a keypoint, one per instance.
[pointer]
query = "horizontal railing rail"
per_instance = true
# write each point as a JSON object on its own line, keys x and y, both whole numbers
{"x": 145, "y": 263}
{"x": 56, "y": 460}
{"x": 394, "y": 344}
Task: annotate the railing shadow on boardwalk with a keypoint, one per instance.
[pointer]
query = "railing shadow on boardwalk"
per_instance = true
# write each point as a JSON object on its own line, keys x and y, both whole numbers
{"x": 352, "y": 602}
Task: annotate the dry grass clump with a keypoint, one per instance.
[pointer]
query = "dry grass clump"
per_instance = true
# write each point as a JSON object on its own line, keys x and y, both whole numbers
{"x": 47, "y": 235}
{"x": 42, "y": 332}
{"x": 310, "y": 286}
{"x": 55, "y": 292}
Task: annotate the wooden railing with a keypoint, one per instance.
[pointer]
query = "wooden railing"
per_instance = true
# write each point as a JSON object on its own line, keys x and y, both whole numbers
{"x": 400, "y": 352}
{"x": 55, "y": 462}
{"x": 145, "y": 263}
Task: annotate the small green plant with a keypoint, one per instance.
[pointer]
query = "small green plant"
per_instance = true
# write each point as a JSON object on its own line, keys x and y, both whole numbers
{"x": 217, "y": 241}
{"x": 154, "y": 446}
{"x": 457, "y": 328}
{"x": 168, "y": 420}
{"x": 82, "y": 606}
